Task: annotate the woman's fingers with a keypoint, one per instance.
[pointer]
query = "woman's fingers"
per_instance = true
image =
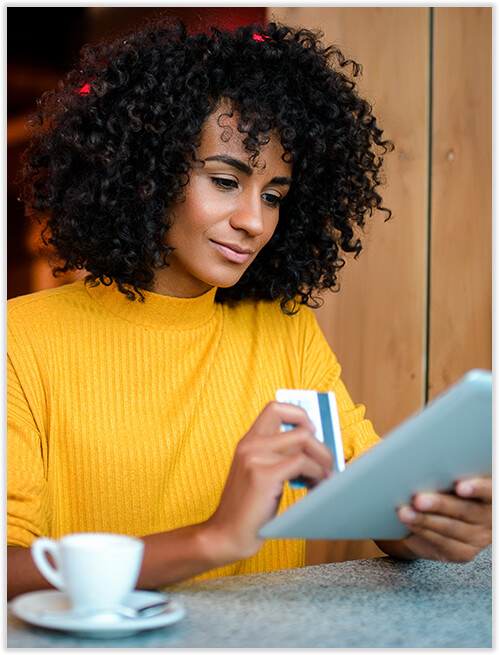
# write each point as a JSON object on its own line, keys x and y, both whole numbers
{"x": 299, "y": 465}
{"x": 300, "y": 440}
{"x": 476, "y": 488}
{"x": 275, "y": 414}
{"x": 296, "y": 445}
{"x": 271, "y": 467}
{"x": 451, "y": 527}
{"x": 428, "y": 525}
{"x": 265, "y": 435}
{"x": 467, "y": 511}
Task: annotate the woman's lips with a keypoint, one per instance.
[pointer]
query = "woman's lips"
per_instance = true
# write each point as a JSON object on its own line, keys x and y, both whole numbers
{"x": 238, "y": 256}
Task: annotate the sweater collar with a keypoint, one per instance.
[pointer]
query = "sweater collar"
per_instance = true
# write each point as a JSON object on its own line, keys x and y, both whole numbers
{"x": 157, "y": 310}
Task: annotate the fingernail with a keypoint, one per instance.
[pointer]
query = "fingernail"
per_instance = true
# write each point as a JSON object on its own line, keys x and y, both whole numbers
{"x": 424, "y": 502}
{"x": 465, "y": 489}
{"x": 407, "y": 514}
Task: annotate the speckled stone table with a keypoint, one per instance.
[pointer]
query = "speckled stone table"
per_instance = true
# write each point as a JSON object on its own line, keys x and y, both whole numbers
{"x": 378, "y": 603}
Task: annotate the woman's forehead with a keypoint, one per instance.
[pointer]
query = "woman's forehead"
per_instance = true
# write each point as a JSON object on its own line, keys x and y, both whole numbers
{"x": 220, "y": 136}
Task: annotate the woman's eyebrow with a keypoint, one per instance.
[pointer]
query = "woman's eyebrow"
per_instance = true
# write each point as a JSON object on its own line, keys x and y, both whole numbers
{"x": 282, "y": 181}
{"x": 244, "y": 168}
{"x": 231, "y": 161}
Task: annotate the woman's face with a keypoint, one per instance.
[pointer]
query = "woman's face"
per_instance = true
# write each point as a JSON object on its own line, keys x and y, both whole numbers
{"x": 230, "y": 212}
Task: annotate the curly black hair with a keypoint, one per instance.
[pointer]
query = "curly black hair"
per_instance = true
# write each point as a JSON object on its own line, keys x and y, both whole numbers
{"x": 112, "y": 148}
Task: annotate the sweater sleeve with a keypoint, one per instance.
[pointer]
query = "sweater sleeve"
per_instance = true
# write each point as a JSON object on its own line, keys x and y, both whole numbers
{"x": 322, "y": 372}
{"x": 28, "y": 513}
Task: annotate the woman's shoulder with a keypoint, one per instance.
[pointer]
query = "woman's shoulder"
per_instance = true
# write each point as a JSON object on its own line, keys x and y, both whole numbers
{"x": 50, "y": 303}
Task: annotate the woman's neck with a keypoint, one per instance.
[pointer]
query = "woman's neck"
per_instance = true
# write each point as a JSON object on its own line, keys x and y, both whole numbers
{"x": 166, "y": 285}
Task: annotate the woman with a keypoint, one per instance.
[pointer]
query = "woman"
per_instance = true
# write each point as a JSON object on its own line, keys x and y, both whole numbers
{"x": 209, "y": 185}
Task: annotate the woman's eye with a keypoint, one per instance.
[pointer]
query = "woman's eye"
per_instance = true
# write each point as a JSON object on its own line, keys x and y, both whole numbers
{"x": 272, "y": 200}
{"x": 224, "y": 183}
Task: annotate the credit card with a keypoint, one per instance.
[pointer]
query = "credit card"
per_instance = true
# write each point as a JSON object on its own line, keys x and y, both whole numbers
{"x": 322, "y": 410}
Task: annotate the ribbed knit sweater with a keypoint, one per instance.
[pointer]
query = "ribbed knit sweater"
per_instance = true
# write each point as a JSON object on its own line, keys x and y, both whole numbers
{"x": 124, "y": 416}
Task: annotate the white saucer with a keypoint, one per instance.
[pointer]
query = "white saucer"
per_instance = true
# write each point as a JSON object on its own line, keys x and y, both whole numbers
{"x": 31, "y": 608}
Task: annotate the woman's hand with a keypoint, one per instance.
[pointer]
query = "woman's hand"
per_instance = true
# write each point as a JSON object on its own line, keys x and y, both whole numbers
{"x": 446, "y": 527}
{"x": 264, "y": 459}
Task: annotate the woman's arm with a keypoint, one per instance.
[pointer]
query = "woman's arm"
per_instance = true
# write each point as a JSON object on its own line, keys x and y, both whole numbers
{"x": 169, "y": 557}
{"x": 22, "y": 574}
{"x": 264, "y": 459}
{"x": 446, "y": 527}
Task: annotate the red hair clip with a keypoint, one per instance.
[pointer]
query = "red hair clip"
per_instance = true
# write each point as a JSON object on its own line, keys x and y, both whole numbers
{"x": 259, "y": 37}
{"x": 85, "y": 90}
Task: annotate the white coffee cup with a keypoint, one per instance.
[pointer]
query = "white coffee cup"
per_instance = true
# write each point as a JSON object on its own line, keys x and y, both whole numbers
{"x": 96, "y": 570}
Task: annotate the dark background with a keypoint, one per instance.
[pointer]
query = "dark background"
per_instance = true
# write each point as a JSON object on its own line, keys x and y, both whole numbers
{"x": 42, "y": 44}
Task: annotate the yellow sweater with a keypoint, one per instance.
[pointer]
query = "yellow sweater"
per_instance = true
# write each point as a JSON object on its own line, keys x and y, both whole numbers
{"x": 123, "y": 416}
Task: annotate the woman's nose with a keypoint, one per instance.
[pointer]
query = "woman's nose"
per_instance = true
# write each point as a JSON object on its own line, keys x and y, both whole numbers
{"x": 248, "y": 216}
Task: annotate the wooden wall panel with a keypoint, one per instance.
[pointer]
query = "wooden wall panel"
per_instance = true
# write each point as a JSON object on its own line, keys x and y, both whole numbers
{"x": 460, "y": 335}
{"x": 375, "y": 324}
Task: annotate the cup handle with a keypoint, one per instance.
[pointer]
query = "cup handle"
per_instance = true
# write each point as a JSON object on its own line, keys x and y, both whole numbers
{"x": 39, "y": 548}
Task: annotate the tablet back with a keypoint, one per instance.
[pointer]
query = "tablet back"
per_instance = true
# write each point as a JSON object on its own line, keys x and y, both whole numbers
{"x": 450, "y": 439}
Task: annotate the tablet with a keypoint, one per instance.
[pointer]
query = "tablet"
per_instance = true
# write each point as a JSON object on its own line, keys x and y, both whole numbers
{"x": 450, "y": 439}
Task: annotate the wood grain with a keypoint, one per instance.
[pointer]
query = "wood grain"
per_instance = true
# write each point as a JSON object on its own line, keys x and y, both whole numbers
{"x": 461, "y": 208}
